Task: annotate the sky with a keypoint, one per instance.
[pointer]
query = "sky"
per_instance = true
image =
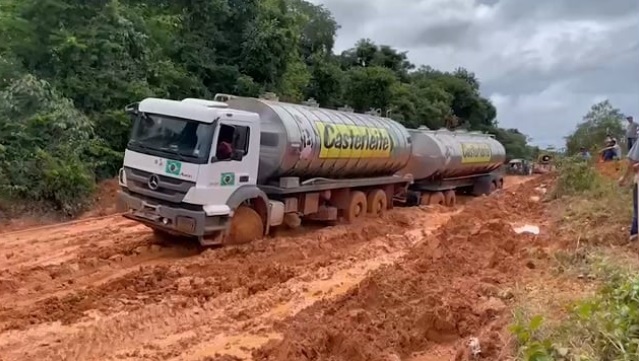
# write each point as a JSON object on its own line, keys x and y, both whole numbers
{"x": 543, "y": 63}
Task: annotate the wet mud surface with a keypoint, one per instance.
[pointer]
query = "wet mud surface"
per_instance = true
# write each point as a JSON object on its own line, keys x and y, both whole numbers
{"x": 415, "y": 283}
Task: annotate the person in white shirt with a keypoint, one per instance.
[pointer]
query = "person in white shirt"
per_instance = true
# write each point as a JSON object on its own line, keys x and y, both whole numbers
{"x": 632, "y": 171}
{"x": 616, "y": 148}
{"x": 631, "y": 132}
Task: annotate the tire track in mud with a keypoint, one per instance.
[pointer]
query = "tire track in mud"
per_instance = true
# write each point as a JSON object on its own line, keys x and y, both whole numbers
{"x": 117, "y": 294}
{"x": 427, "y": 306}
{"x": 181, "y": 284}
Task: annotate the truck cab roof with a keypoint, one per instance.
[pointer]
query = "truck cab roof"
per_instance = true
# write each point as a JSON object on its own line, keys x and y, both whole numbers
{"x": 205, "y": 102}
{"x": 201, "y": 110}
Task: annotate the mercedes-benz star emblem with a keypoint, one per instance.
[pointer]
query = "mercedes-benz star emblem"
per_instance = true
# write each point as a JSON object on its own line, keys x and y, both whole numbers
{"x": 154, "y": 182}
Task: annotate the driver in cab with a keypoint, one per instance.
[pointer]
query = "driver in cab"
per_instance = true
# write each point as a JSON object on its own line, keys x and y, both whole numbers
{"x": 224, "y": 150}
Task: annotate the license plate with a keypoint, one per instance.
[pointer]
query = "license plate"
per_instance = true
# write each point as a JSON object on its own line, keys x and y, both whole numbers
{"x": 185, "y": 224}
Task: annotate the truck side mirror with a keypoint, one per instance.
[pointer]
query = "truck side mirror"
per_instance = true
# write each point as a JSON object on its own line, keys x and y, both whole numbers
{"x": 132, "y": 108}
{"x": 237, "y": 155}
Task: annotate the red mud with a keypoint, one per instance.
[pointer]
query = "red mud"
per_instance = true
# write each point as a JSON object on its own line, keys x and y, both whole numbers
{"x": 105, "y": 289}
{"x": 612, "y": 170}
{"x": 444, "y": 291}
{"x": 104, "y": 199}
{"x": 103, "y": 204}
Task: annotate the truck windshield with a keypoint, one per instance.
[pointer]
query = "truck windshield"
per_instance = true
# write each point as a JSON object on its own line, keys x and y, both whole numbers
{"x": 171, "y": 137}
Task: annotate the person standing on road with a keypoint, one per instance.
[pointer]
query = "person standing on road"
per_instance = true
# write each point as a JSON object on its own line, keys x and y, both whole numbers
{"x": 631, "y": 132}
{"x": 632, "y": 171}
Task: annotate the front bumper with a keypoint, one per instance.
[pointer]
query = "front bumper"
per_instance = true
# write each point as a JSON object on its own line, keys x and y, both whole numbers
{"x": 170, "y": 219}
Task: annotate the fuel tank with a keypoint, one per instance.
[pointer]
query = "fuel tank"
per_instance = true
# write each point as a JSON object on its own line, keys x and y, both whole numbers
{"x": 309, "y": 142}
{"x": 440, "y": 154}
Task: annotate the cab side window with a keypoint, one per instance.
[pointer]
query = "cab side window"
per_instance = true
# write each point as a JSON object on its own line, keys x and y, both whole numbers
{"x": 233, "y": 142}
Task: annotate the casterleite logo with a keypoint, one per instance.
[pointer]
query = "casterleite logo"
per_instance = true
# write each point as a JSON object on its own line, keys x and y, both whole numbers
{"x": 154, "y": 182}
{"x": 475, "y": 153}
{"x": 173, "y": 167}
{"x": 354, "y": 141}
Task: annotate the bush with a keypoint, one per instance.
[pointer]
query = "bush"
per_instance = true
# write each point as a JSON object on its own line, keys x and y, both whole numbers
{"x": 46, "y": 153}
{"x": 605, "y": 328}
{"x": 576, "y": 176}
{"x": 531, "y": 344}
{"x": 610, "y": 321}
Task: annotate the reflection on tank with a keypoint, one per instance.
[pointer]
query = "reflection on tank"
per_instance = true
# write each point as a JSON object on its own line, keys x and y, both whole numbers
{"x": 308, "y": 141}
{"x": 304, "y": 141}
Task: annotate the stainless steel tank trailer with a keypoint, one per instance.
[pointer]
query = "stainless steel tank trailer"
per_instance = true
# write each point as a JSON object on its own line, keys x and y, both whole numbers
{"x": 228, "y": 170}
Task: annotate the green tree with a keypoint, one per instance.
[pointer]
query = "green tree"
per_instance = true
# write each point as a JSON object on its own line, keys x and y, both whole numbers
{"x": 514, "y": 141}
{"x": 46, "y": 146}
{"x": 601, "y": 120}
{"x": 370, "y": 88}
{"x": 74, "y": 65}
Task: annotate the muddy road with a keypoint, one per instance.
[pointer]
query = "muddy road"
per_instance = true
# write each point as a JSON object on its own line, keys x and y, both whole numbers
{"x": 104, "y": 289}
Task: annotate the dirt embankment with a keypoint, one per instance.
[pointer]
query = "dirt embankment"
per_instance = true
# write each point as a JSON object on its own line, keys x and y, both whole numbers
{"x": 612, "y": 170}
{"x": 32, "y": 216}
{"x": 104, "y": 289}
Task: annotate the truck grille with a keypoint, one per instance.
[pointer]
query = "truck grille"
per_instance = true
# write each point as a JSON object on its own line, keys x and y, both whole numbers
{"x": 164, "y": 188}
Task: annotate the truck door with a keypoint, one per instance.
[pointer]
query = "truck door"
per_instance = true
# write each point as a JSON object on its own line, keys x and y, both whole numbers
{"x": 233, "y": 163}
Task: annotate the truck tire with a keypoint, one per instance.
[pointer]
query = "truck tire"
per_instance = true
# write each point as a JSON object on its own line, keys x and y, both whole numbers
{"x": 246, "y": 226}
{"x": 377, "y": 202}
{"x": 356, "y": 207}
{"x": 450, "y": 198}
{"x": 493, "y": 187}
{"x": 437, "y": 198}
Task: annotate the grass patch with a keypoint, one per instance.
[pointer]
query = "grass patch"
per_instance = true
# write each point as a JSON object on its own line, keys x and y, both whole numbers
{"x": 576, "y": 177}
{"x": 603, "y": 327}
{"x": 594, "y": 214}
{"x": 593, "y": 209}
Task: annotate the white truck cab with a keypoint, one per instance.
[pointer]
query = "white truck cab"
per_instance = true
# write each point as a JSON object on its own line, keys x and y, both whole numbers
{"x": 188, "y": 165}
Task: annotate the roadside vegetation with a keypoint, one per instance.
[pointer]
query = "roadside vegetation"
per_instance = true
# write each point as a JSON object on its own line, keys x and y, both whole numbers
{"x": 593, "y": 265}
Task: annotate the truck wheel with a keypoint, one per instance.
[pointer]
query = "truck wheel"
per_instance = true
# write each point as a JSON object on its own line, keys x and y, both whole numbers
{"x": 425, "y": 199}
{"x": 450, "y": 198}
{"x": 356, "y": 207}
{"x": 377, "y": 202}
{"x": 437, "y": 198}
{"x": 493, "y": 188}
{"x": 246, "y": 226}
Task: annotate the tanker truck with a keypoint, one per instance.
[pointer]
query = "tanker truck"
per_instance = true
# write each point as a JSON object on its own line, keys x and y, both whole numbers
{"x": 287, "y": 162}
{"x": 228, "y": 170}
{"x": 444, "y": 163}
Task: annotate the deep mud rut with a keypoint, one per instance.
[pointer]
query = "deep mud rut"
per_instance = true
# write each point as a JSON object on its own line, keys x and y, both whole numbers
{"x": 104, "y": 289}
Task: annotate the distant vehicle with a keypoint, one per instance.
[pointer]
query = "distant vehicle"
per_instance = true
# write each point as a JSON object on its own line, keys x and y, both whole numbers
{"x": 544, "y": 164}
{"x": 226, "y": 171}
{"x": 519, "y": 167}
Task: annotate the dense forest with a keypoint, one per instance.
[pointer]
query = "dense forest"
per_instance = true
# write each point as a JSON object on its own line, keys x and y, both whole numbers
{"x": 68, "y": 68}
